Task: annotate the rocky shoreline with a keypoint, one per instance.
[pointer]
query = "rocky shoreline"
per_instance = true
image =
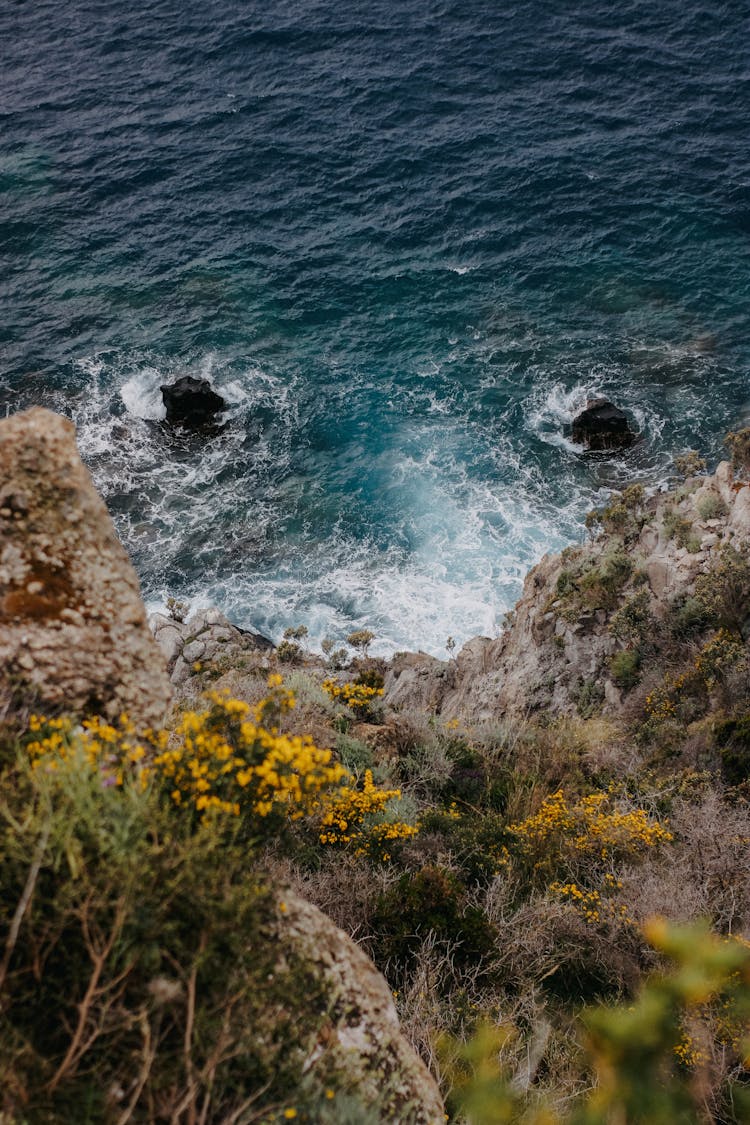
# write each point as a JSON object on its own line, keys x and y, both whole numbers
{"x": 557, "y": 640}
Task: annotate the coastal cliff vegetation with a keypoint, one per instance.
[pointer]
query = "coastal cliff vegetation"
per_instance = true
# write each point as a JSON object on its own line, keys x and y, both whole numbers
{"x": 556, "y": 895}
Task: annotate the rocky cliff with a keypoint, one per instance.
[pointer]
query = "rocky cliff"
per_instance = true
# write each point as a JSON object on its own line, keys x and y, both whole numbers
{"x": 74, "y": 639}
{"x": 581, "y": 608}
{"x": 73, "y": 630}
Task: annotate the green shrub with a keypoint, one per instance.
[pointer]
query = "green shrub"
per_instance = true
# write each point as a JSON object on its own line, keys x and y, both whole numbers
{"x": 361, "y": 639}
{"x": 688, "y": 616}
{"x": 354, "y": 754}
{"x": 593, "y": 583}
{"x": 468, "y": 780}
{"x": 288, "y": 652}
{"x": 472, "y": 838}
{"x": 588, "y": 696}
{"x": 710, "y": 506}
{"x": 177, "y": 610}
{"x": 724, "y": 591}
{"x": 689, "y": 464}
{"x": 143, "y": 970}
{"x": 733, "y": 741}
{"x": 634, "y": 621}
{"x": 675, "y": 1055}
{"x": 678, "y": 528}
{"x": 622, "y": 515}
{"x": 625, "y": 668}
{"x": 739, "y": 446}
{"x": 429, "y": 903}
{"x": 371, "y": 678}
{"x": 337, "y": 657}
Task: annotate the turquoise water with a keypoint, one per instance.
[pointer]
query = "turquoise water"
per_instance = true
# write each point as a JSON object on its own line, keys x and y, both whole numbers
{"x": 405, "y": 241}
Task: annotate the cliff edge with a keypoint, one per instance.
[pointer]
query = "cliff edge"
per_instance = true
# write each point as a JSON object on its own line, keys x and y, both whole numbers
{"x": 589, "y": 619}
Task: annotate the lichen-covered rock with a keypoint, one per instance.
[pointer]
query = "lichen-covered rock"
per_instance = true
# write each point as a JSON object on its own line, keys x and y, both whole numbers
{"x": 416, "y": 680}
{"x": 73, "y": 630}
{"x": 360, "y": 1041}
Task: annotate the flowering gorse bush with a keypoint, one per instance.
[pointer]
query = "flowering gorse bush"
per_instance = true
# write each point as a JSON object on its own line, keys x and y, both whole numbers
{"x": 581, "y": 838}
{"x": 723, "y": 651}
{"x": 718, "y": 656}
{"x": 594, "y": 906}
{"x": 231, "y": 759}
{"x": 661, "y": 703}
{"x": 357, "y": 696}
{"x": 114, "y": 749}
{"x": 348, "y": 819}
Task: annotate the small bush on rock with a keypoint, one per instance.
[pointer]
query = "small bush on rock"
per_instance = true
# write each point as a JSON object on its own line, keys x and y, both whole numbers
{"x": 622, "y": 515}
{"x": 739, "y": 446}
{"x": 625, "y": 668}
{"x": 710, "y": 506}
{"x": 689, "y": 464}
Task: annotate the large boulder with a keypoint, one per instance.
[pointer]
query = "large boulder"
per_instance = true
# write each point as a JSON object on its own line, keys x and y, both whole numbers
{"x": 602, "y": 425}
{"x": 360, "y": 1038}
{"x": 73, "y": 630}
{"x": 192, "y": 403}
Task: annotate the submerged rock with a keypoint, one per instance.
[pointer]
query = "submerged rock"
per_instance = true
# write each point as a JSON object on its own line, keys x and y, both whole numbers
{"x": 602, "y": 425}
{"x": 73, "y": 630}
{"x": 192, "y": 403}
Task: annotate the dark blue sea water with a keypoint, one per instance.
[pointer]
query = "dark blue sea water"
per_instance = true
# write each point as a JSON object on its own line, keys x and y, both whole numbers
{"x": 405, "y": 240}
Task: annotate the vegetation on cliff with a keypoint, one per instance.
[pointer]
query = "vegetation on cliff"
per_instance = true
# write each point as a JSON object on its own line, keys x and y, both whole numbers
{"x": 145, "y": 974}
{"x": 502, "y": 866}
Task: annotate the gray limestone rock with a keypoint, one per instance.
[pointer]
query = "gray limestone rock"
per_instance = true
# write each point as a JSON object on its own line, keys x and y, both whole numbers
{"x": 73, "y": 630}
{"x": 361, "y": 1038}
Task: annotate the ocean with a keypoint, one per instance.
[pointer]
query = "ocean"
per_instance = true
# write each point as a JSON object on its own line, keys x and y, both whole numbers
{"x": 405, "y": 241}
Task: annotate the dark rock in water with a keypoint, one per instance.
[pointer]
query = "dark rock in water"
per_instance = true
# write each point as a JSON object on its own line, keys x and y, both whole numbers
{"x": 192, "y": 403}
{"x": 602, "y": 425}
{"x": 263, "y": 644}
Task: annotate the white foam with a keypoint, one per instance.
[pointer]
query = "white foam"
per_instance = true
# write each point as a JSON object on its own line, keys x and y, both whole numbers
{"x": 243, "y": 522}
{"x": 142, "y": 396}
{"x": 558, "y": 405}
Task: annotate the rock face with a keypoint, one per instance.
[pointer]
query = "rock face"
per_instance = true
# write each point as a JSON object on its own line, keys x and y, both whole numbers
{"x": 205, "y": 636}
{"x": 73, "y": 630}
{"x": 192, "y": 403}
{"x": 602, "y": 426}
{"x": 557, "y": 651}
{"x": 360, "y": 1038}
